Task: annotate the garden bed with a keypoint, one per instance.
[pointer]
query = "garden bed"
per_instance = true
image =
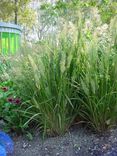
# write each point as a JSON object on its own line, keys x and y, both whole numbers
{"x": 69, "y": 77}
{"x": 77, "y": 142}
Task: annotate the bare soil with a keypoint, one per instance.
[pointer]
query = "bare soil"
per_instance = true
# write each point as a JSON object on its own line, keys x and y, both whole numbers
{"x": 79, "y": 141}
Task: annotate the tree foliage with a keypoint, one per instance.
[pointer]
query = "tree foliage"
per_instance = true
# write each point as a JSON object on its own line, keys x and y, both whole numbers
{"x": 17, "y": 11}
{"x": 107, "y": 8}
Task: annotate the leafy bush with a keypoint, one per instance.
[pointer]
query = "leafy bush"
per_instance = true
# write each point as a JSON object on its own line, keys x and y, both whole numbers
{"x": 10, "y": 105}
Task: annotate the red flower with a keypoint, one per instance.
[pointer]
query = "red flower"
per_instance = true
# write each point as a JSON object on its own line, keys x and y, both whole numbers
{"x": 5, "y": 89}
{"x": 11, "y": 100}
{"x": 17, "y": 101}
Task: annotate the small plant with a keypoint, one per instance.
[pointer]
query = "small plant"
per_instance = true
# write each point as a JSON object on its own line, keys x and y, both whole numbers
{"x": 4, "y": 68}
{"x": 10, "y": 107}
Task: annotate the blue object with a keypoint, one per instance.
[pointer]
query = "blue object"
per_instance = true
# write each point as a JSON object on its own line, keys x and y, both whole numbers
{"x": 7, "y": 143}
{"x": 2, "y": 151}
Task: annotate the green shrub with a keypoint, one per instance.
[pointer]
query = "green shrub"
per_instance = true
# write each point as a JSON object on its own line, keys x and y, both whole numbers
{"x": 10, "y": 106}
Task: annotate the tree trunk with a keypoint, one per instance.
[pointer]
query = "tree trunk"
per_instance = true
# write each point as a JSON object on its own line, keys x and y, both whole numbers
{"x": 16, "y": 12}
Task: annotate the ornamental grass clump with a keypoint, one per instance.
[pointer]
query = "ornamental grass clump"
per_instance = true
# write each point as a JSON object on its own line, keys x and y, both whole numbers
{"x": 99, "y": 85}
{"x": 69, "y": 79}
{"x": 46, "y": 81}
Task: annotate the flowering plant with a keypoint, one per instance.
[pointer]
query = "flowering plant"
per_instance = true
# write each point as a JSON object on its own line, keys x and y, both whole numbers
{"x": 10, "y": 105}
